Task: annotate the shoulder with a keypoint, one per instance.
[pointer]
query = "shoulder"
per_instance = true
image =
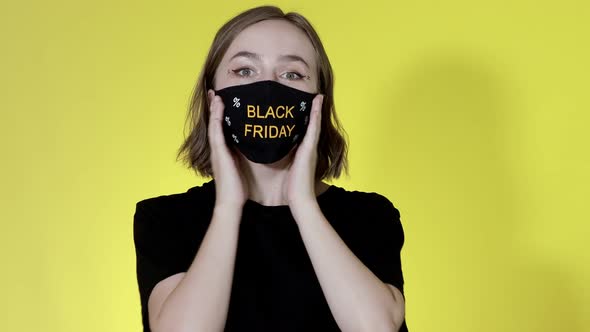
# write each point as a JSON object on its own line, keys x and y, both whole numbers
{"x": 166, "y": 202}
{"x": 195, "y": 197}
{"x": 370, "y": 202}
{"x": 365, "y": 214}
{"x": 175, "y": 211}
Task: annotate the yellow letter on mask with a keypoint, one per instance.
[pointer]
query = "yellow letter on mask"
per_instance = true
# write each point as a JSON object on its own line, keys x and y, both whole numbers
{"x": 258, "y": 129}
{"x": 251, "y": 111}
{"x": 269, "y": 113}
{"x": 283, "y": 132}
{"x": 271, "y": 133}
{"x": 288, "y": 111}
{"x": 290, "y": 129}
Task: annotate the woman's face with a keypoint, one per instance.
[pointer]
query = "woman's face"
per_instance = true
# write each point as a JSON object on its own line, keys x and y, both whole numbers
{"x": 269, "y": 50}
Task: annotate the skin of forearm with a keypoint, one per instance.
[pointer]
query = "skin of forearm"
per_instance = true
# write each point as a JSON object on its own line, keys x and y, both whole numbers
{"x": 358, "y": 300}
{"x": 200, "y": 301}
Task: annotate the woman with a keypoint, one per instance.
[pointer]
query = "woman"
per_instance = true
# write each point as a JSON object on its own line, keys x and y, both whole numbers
{"x": 266, "y": 245}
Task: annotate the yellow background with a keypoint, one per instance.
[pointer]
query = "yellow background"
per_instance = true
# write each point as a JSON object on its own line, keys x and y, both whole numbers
{"x": 472, "y": 117}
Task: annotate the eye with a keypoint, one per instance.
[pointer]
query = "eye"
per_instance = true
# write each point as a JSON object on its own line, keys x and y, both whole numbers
{"x": 243, "y": 72}
{"x": 293, "y": 76}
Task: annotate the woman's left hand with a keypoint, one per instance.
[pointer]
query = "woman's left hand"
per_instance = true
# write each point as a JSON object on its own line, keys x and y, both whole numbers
{"x": 299, "y": 186}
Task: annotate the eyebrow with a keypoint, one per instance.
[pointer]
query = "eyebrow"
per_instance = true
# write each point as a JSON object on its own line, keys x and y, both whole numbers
{"x": 293, "y": 57}
{"x": 255, "y": 56}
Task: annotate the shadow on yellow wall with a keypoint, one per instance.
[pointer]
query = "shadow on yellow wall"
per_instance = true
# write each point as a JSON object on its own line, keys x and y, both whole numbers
{"x": 453, "y": 124}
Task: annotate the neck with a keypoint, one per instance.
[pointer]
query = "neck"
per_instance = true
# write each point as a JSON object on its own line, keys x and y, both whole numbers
{"x": 265, "y": 181}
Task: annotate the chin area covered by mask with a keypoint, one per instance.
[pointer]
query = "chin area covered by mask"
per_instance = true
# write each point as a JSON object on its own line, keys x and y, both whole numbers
{"x": 264, "y": 120}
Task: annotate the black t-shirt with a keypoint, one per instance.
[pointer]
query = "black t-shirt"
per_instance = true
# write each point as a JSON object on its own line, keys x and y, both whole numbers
{"x": 274, "y": 284}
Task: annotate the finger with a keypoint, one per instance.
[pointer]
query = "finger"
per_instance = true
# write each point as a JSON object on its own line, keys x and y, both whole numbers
{"x": 213, "y": 117}
{"x": 313, "y": 130}
{"x": 216, "y": 115}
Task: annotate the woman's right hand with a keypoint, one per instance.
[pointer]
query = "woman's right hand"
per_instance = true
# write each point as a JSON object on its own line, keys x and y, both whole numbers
{"x": 231, "y": 190}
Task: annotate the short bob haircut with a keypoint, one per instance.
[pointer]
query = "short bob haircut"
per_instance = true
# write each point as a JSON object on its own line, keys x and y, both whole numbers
{"x": 332, "y": 146}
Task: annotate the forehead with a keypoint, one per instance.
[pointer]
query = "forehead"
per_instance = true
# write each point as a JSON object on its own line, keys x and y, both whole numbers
{"x": 272, "y": 38}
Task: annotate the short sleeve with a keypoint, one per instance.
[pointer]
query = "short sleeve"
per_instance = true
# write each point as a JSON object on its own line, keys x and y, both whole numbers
{"x": 154, "y": 254}
{"x": 384, "y": 239}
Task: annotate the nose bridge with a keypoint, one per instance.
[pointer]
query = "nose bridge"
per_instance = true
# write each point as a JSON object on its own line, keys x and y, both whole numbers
{"x": 270, "y": 76}
{"x": 268, "y": 73}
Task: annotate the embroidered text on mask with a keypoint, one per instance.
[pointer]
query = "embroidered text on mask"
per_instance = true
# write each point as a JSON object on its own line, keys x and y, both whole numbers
{"x": 269, "y": 131}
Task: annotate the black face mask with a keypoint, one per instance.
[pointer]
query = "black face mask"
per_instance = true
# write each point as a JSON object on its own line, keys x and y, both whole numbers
{"x": 265, "y": 119}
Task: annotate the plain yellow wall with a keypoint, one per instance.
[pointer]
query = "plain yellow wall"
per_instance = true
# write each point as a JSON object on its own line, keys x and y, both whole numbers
{"x": 470, "y": 116}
